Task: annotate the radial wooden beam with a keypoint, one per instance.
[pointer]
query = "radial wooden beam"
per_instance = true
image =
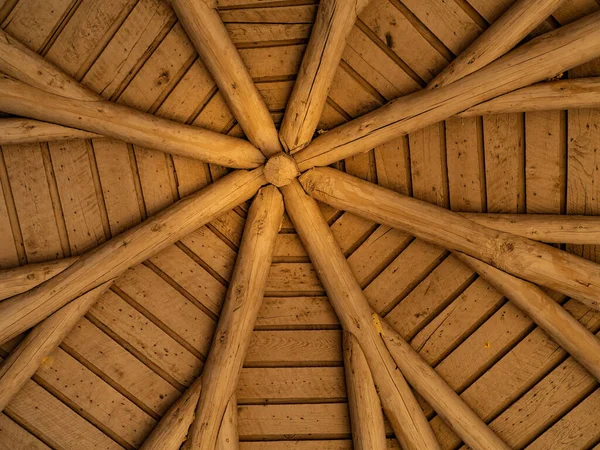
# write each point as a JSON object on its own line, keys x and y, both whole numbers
{"x": 21, "y": 279}
{"x": 569, "y": 333}
{"x": 552, "y": 95}
{"x": 366, "y": 416}
{"x": 539, "y": 59}
{"x": 334, "y": 22}
{"x": 346, "y": 296}
{"x": 202, "y": 22}
{"x": 236, "y": 322}
{"x": 127, "y": 124}
{"x": 25, "y": 359}
{"x": 447, "y": 403}
{"x": 533, "y": 261}
{"x": 228, "y": 438}
{"x": 109, "y": 260}
{"x": 506, "y": 32}
{"x": 23, "y": 131}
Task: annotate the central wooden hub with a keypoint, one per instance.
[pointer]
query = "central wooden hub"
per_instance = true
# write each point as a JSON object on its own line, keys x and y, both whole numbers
{"x": 281, "y": 169}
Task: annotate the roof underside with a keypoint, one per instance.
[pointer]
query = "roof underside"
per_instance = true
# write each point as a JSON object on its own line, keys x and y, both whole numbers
{"x": 146, "y": 339}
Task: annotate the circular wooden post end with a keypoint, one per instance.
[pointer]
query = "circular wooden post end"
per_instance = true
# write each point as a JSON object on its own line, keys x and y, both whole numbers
{"x": 281, "y": 169}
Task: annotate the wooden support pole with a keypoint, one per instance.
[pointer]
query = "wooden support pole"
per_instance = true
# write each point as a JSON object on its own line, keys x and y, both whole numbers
{"x": 236, "y": 322}
{"x": 228, "y": 438}
{"x": 506, "y": 32}
{"x": 401, "y": 408}
{"x": 334, "y": 22}
{"x": 173, "y": 428}
{"x": 127, "y": 124}
{"x": 25, "y": 359}
{"x": 20, "y": 279}
{"x": 533, "y": 261}
{"x": 112, "y": 258}
{"x": 537, "y": 60}
{"x": 202, "y": 22}
{"x": 569, "y": 333}
{"x": 366, "y": 416}
{"x": 551, "y": 95}
{"x": 447, "y": 403}
{"x": 21, "y": 63}
{"x": 23, "y": 131}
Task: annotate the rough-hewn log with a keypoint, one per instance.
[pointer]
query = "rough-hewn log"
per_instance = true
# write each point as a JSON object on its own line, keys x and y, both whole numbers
{"x": 23, "y": 64}
{"x": 346, "y": 296}
{"x": 212, "y": 41}
{"x": 23, "y": 131}
{"x": 569, "y": 333}
{"x": 281, "y": 169}
{"x": 531, "y": 260}
{"x": 228, "y": 438}
{"x": 110, "y": 259}
{"x": 21, "y": 279}
{"x": 447, "y": 403}
{"x": 554, "y": 229}
{"x": 335, "y": 19}
{"x": 127, "y": 124}
{"x": 366, "y": 416}
{"x": 535, "y": 61}
{"x": 236, "y": 322}
{"x": 173, "y": 428}
{"x": 551, "y": 95}
{"x": 25, "y": 359}
{"x": 506, "y": 32}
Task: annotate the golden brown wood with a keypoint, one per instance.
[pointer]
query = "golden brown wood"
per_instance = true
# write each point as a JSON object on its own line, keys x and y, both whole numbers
{"x": 333, "y": 24}
{"x": 401, "y": 409}
{"x": 127, "y": 124}
{"x": 558, "y": 323}
{"x": 21, "y": 279}
{"x": 203, "y": 25}
{"x": 24, "y": 360}
{"x": 541, "y": 58}
{"x": 228, "y": 438}
{"x": 281, "y": 169}
{"x": 472, "y": 430}
{"x": 366, "y": 417}
{"x": 236, "y": 322}
{"x": 109, "y": 260}
{"x": 533, "y": 261}
{"x": 578, "y": 93}
{"x": 506, "y": 32}
{"x": 23, "y": 131}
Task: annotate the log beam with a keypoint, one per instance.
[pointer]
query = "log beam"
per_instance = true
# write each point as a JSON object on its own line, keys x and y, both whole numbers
{"x": 228, "y": 438}
{"x": 236, "y": 322}
{"x": 531, "y": 260}
{"x": 112, "y": 258}
{"x": 334, "y": 22}
{"x": 552, "y": 95}
{"x": 539, "y": 59}
{"x": 127, "y": 124}
{"x": 202, "y": 22}
{"x": 24, "y": 131}
{"x": 506, "y": 32}
{"x": 25, "y": 359}
{"x": 569, "y": 333}
{"x": 447, "y": 403}
{"x": 366, "y": 416}
{"x": 401, "y": 408}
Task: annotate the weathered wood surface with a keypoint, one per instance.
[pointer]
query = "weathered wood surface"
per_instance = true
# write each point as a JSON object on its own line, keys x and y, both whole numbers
{"x": 22, "y": 131}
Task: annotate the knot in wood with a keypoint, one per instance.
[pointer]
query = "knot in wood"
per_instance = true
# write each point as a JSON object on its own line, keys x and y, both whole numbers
{"x": 281, "y": 169}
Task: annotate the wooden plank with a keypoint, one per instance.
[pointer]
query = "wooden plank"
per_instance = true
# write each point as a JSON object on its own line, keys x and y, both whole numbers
{"x": 8, "y": 251}
{"x": 13, "y": 435}
{"x": 296, "y": 312}
{"x": 293, "y": 278}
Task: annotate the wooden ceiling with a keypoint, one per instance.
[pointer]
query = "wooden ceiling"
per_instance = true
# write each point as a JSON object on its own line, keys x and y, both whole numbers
{"x": 147, "y": 338}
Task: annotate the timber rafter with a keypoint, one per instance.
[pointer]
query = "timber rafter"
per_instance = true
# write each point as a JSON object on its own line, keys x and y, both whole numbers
{"x": 481, "y": 80}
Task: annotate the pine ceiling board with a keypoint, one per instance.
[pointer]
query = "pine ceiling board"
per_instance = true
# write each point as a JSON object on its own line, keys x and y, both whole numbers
{"x": 338, "y": 444}
{"x": 328, "y": 420}
{"x": 13, "y": 436}
{"x": 465, "y": 161}
{"x": 545, "y": 161}
{"x": 394, "y": 29}
{"x": 519, "y": 369}
{"x": 29, "y": 182}
{"x": 270, "y": 63}
{"x": 580, "y": 428}
{"x": 392, "y": 161}
{"x": 504, "y": 149}
{"x": 96, "y": 400}
{"x": 121, "y": 369}
{"x": 136, "y": 39}
{"x": 293, "y": 279}
{"x": 457, "y": 321}
{"x": 491, "y": 10}
{"x": 232, "y": 4}
{"x": 283, "y": 313}
{"x": 33, "y": 22}
{"x": 8, "y": 251}
{"x": 280, "y": 14}
{"x": 571, "y": 10}
{"x": 259, "y": 34}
